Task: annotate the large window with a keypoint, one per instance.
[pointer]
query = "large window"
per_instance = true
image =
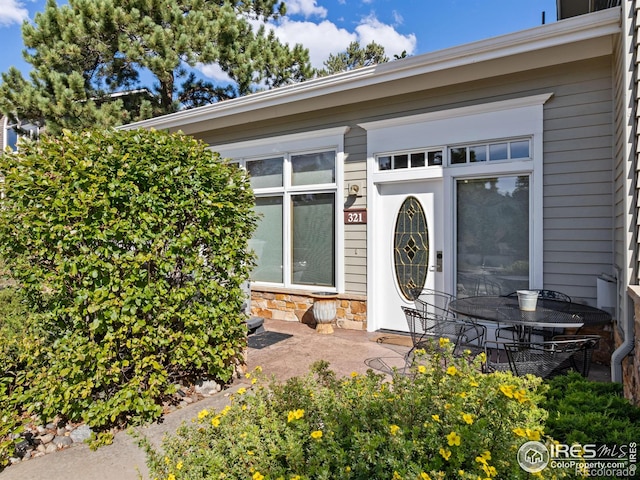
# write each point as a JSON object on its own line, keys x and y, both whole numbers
{"x": 296, "y": 198}
{"x": 492, "y": 235}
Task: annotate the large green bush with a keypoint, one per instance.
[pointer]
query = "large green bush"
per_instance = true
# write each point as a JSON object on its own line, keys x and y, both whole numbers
{"x": 582, "y": 411}
{"x": 130, "y": 248}
{"x": 13, "y": 316}
{"x": 447, "y": 420}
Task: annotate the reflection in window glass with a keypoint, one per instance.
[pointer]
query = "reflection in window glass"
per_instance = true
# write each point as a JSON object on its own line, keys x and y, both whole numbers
{"x": 267, "y": 240}
{"x": 417, "y": 160}
{"x": 313, "y": 168}
{"x": 492, "y": 235}
{"x": 520, "y": 149}
{"x": 313, "y": 239}
{"x": 265, "y": 173}
{"x": 478, "y": 154}
{"x": 458, "y": 155}
{"x": 401, "y": 161}
{"x": 435, "y": 158}
{"x": 384, "y": 163}
{"x": 498, "y": 151}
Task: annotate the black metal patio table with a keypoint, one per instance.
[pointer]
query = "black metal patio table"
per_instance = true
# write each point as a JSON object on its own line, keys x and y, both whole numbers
{"x": 549, "y": 313}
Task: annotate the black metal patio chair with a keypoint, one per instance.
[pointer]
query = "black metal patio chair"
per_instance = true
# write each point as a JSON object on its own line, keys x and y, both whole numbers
{"x": 555, "y": 357}
{"x": 425, "y": 327}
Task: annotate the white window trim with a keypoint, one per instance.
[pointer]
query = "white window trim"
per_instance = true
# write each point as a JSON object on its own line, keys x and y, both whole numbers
{"x": 516, "y": 118}
{"x": 285, "y": 145}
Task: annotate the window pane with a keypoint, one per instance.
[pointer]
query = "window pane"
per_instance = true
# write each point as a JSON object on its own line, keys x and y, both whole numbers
{"x": 313, "y": 239}
{"x": 435, "y": 158}
{"x": 265, "y": 173}
{"x": 313, "y": 168}
{"x": 520, "y": 149}
{"x": 498, "y": 151}
{"x": 267, "y": 240}
{"x": 384, "y": 163}
{"x": 478, "y": 154}
{"x": 417, "y": 160}
{"x": 492, "y": 235}
{"x": 458, "y": 155}
{"x": 12, "y": 138}
{"x": 400, "y": 161}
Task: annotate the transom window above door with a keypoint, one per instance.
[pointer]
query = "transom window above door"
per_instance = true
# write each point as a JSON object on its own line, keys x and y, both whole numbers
{"x": 419, "y": 159}
{"x": 503, "y": 150}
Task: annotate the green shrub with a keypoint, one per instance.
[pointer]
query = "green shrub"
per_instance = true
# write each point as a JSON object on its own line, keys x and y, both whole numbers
{"x": 13, "y": 318}
{"x": 446, "y": 421}
{"x": 582, "y": 411}
{"x": 130, "y": 248}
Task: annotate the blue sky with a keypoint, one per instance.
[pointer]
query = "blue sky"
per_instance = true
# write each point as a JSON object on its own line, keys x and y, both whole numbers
{"x": 328, "y": 26}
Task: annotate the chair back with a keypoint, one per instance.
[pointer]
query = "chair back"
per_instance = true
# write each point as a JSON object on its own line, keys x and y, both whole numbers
{"x": 547, "y": 359}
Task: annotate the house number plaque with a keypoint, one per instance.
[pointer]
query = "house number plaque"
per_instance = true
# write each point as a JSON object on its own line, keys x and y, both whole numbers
{"x": 355, "y": 216}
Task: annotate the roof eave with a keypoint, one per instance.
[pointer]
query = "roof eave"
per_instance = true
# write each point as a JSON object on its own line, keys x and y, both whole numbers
{"x": 576, "y": 29}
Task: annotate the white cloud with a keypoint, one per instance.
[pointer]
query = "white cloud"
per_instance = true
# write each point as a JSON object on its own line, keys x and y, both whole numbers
{"x": 214, "y": 71}
{"x": 12, "y": 11}
{"x": 307, "y": 8}
{"x": 321, "y": 39}
{"x": 394, "y": 43}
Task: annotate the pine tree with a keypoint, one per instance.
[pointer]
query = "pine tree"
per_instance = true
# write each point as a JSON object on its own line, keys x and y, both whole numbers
{"x": 109, "y": 62}
{"x": 354, "y": 57}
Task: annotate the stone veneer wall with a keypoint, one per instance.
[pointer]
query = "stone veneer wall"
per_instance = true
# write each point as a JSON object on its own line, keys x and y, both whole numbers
{"x": 631, "y": 364}
{"x": 297, "y": 306}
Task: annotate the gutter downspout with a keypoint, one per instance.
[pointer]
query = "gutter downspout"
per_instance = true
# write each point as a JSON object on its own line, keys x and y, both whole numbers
{"x": 629, "y": 41}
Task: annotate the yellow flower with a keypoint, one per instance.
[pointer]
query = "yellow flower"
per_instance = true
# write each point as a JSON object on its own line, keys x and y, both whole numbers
{"x": 258, "y": 476}
{"x": 203, "y": 414}
{"x": 347, "y": 468}
{"x": 422, "y": 369}
{"x": 258, "y": 369}
{"x": 167, "y": 460}
{"x": 520, "y": 432}
{"x": 295, "y": 477}
{"x": 171, "y": 477}
{"x": 247, "y": 375}
{"x": 254, "y": 381}
{"x": 533, "y": 434}
{"x": 436, "y": 417}
{"x": 486, "y": 455}
{"x": 481, "y": 460}
{"x": 242, "y": 391}
{"x": 445, "y": 453}
{"x": 520, "y": 395}
{"x": 215, "y": 421}
{"x": 226, "y": 410}
{"x": 473, "y": 383}
{"x": 354, "y": 374}
{"x": 295, "y": 415}
{"x": 179, "y": 465}
{"x": 317, "y": 434}
{"x": 507, "y": 390}
{"x": 394, "y": 429}
{"x": 244, "y": 407}
{"x": 396, "y": 476}
{"x": 463, "y": 394}
{"x": 443, "y": 341}
{"x": 250, "y": 453}
{"x": 452, "y": 370}
{"x": 468, "y": 418}
{"x": 447, "y": 406}
{"x": 461, "y": 472}
{"x": 424, "y": 476}
{"x": 453, "y": 439}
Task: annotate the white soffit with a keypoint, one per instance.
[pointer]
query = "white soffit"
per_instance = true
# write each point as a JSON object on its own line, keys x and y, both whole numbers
{"x": 581, "y": 29}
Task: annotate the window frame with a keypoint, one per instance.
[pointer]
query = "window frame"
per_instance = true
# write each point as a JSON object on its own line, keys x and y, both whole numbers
{"x": 286, "y": 146}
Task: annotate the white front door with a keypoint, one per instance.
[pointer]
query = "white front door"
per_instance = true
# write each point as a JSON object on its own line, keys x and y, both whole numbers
{"x": 407, "y": 241}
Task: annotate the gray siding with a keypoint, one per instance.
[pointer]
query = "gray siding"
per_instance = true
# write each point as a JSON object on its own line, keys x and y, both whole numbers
{"x": 578, "y": 167}
{"x": 578, "y": 182}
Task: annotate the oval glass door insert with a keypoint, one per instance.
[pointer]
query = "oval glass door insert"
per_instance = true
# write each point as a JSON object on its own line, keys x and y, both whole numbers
{"x": 411, "y": 248}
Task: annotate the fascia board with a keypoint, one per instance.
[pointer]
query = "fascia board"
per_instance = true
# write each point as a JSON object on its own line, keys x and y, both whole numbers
{"x": 577, "y": 29}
